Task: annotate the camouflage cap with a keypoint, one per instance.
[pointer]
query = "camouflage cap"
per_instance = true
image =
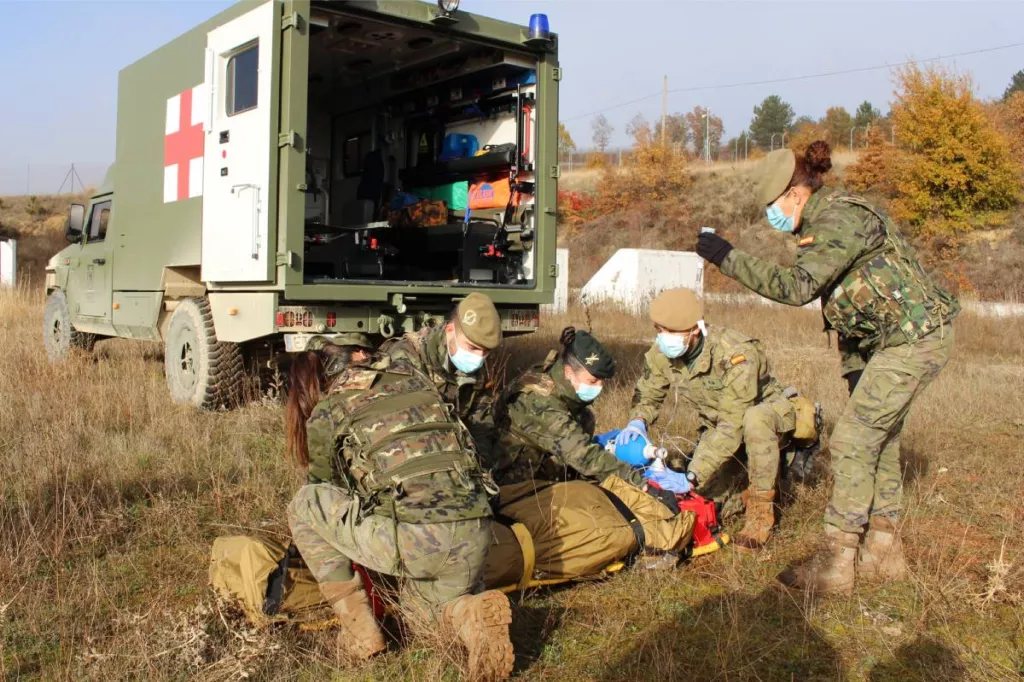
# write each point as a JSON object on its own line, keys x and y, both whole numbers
{"x": 677, "y": 309}
{"x": 344, "y": 339}
{"x": 479, "y": 321}
{"x": 774, "y": 174}
{"x": 593, "y": 356}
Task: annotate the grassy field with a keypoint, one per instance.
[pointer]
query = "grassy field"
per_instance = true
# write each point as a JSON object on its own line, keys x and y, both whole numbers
{"x": 112, "y": 496}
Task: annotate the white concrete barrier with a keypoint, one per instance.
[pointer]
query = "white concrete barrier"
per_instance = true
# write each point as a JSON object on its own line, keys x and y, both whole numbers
{"x": 561, "y": 302}
{"x": 8, "y": 262}
{"x": 632, "y": 277}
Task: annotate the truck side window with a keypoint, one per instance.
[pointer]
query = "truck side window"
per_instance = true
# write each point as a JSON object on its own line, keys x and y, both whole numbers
{"x": 98, "y": 222}
{"x": 243, "y": 69}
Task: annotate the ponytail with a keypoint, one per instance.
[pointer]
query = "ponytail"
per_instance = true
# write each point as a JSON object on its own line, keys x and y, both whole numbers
{"x": 306, "y": 386}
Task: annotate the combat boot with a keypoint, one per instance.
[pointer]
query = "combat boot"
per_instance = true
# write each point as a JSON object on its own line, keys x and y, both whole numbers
{"x": 882, "y": 553}
{"x": 833, "y": 569}
{"x": 481, "y": 623}
{"x": 360, "y": 637}
{"x": 759, "y": 521}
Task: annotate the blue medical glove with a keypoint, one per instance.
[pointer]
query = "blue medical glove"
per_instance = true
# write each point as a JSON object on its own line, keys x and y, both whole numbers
{"x": 632, "y": 453}
{"x": 669, "y": 480}
{"x": 633, "y": 430}
{"x": 603, "y": 439}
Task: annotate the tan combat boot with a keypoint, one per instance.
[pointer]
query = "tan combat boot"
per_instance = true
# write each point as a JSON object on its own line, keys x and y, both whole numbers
{"x": 833, "y": 569}
{"x": 481, "y": 622}
{"x": 360, "y": 637}
{"x": 759, "y": 521}
{"x": 882, "y": 553}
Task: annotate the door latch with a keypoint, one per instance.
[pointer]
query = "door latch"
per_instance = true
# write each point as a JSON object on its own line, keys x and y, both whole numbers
{"x": 99, "y": 261}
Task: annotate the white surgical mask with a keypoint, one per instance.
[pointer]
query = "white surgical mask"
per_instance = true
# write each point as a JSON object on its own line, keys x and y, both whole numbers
{"x": 588, "y": 392}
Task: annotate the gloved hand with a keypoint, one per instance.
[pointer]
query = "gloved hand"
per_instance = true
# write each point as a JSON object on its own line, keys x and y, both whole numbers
{"x": 603, "y": 439}
{"x": 634, "y": 429}
{"x": 712, "y": 248}
{"x": 632, "y": 453}
{"x": 852, "y": 378}
{"x": 669, "y": 480}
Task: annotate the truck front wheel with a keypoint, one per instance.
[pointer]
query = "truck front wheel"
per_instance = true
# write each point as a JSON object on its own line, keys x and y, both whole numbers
{"x": 201, "y": 370}
{"x": 59, "y": 337}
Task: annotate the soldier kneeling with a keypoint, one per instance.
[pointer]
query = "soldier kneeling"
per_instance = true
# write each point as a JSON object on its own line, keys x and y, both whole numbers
{"x": 394, "y": 486}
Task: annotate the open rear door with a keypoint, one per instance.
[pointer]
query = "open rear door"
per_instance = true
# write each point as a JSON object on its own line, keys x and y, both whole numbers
{"x": 238, "y": 148}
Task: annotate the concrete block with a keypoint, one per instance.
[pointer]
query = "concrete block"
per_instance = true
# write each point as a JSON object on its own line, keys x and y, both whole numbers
{"x": 632, "y": 277}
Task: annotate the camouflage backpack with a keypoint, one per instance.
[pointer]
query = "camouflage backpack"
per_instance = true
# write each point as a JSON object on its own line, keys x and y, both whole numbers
{"x": 887, "y": 290}
{"x": 399, "y": 428}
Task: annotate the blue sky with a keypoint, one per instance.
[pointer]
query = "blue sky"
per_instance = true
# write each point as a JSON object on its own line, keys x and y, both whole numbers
{"x": 58, "y": 67}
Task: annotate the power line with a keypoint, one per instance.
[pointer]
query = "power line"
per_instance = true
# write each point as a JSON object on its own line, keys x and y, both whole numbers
{"x": 790, "y": 79}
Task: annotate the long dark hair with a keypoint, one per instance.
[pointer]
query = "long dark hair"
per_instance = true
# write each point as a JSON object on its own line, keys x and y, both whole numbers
{"x": 812, "y": 166}
{"x": 306, "y": 386}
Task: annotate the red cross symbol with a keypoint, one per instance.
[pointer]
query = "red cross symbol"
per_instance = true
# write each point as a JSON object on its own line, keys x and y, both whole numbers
{"x": 183, "y": 150}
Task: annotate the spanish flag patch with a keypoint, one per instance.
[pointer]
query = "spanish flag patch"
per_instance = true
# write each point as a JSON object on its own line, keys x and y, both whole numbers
{"x": 737, "y": 359}
{"x": 806, "y": 241}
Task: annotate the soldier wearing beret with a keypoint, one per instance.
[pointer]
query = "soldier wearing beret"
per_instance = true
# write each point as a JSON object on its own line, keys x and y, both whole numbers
{"x": 547, "y": 426}
{"x": 725, "y": 376}
{"x": 453, "y": 357}
{"x": 893, "y": 324}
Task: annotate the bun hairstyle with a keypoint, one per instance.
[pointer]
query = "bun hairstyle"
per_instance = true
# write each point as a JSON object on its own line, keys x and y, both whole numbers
{"x": 567, "y": 337}
{"x": 812, "y": 165}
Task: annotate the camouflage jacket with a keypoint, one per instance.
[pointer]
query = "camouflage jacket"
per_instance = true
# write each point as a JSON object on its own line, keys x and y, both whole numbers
{"x": 874, "y": 292}
{"x": 547, "y": 433}
{"x": 384, "y": 433}
{"x": 470, "y": 395}
{"x": 730, "y": 374}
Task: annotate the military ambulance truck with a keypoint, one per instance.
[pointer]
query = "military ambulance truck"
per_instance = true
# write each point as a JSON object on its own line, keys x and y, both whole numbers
{"x": 301, "y": 167}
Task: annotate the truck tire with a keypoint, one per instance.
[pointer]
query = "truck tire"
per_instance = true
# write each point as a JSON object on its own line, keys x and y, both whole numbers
{"x": 59, "y": 337}
{"x": 200, "y": 370}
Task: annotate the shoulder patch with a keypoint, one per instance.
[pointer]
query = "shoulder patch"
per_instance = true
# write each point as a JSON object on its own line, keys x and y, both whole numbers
{"x": 358, "y": 379}
{"x": 737, "y": 359}
{"x": 806, "y": 241}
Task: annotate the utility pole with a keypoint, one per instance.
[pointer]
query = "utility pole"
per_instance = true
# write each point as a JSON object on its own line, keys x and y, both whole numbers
{"x": 851, "y": 137}
{"x": 746, "y": 139}
{"x": 664, "y": 107}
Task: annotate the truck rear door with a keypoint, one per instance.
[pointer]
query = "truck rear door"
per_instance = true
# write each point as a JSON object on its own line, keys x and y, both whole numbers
{"x": 239, "y": 147}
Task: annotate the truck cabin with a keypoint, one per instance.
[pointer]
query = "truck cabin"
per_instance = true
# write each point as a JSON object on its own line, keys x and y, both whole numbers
{"x": 420, "y": 155}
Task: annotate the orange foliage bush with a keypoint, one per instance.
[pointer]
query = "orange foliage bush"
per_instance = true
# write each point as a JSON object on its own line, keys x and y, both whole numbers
{"x": 649, "y": 173}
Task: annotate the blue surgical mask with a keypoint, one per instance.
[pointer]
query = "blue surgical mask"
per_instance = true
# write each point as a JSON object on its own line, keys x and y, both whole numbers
{"x": 779, "y": 220}
{"x": 588, "y": 392}
{"x": 466, "y": 361}
{"x": 672, "y": 345}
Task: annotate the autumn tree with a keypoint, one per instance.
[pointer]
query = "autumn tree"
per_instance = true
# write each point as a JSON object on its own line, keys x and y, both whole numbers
{"x": 650, "y": 173}
{"x": 807, "y": 133}
{"x": 872, "y": 173}
{"x": 565, "y": 141}
{"x": 1008, "y": 116}
{"x": 952, "y": 170}
{"x": 772, "y": 116}
{"x": 602, "y": 132}
{"x": 1016, "y": 85}
{"x": 695, "y": 123}
{"x": 838, "y": 122}
{"x": 676, "y": 131}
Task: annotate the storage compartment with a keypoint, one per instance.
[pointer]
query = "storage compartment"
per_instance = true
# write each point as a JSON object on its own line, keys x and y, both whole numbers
{"x": 420, "y": 156}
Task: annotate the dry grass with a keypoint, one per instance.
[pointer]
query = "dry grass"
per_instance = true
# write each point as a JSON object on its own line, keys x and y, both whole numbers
{"x": 111, "y": 497}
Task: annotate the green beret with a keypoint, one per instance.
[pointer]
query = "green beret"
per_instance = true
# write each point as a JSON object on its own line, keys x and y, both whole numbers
{"x": 479, "y": 322}
{"x": 774, "y": 175}
{"x": 592, "y": 355}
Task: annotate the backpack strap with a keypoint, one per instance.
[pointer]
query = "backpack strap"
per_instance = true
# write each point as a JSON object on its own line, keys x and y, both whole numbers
{"x": 526, "y": 546}
{"x": 634, "y": 524}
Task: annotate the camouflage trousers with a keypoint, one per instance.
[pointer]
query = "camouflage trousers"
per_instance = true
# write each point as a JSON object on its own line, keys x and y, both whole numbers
{"x": 436, "y": 562}
{"x": 765, "y": 426}
{"x": 865, "y": 443}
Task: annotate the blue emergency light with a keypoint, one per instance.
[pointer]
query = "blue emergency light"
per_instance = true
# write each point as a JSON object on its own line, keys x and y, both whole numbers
{"x": 539, "y": 29}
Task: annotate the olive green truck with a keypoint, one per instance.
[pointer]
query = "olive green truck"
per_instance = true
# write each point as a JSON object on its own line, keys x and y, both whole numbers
{"x": 296, "y": 167}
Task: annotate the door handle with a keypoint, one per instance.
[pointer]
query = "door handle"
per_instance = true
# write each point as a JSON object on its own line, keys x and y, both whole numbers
{"x": 99, "y": 261}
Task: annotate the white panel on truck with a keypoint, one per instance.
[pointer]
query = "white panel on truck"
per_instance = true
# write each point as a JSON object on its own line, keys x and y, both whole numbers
{"x": 236, "y": 160}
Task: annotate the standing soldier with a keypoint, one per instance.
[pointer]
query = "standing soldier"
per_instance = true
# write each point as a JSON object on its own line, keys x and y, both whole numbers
{"x": 453, "y": 357}
{"x": 892, "y": 321}
{"x": 725, "y": 376}
{"x": 394, "y": 485}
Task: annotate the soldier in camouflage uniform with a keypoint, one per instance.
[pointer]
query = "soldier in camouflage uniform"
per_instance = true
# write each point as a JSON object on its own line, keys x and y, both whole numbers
{"x": 453, "y": 357}
{"x": 893, "y": 324}
{"x": 726, "y": 377}
{"x": 393, "y": 485}
{"x": 547, "y": 426}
